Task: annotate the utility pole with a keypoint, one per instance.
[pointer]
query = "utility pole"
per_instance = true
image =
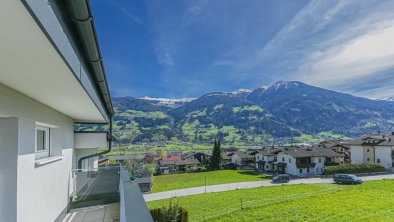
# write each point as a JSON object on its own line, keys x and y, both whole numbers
{"x": 205, "y": 184}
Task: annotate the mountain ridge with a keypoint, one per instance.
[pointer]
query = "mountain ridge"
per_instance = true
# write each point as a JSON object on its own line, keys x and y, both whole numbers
{"x": 285, "y": 111}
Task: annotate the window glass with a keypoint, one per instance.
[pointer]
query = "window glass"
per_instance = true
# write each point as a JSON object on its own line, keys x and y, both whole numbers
{"x": 41, "y": 140}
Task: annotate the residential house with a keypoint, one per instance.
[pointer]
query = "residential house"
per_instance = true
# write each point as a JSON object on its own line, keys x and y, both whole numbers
{"x": 202, "y": 157}
{"x": 52, "y": 77}
{"x": 171, "y": 166}
{"x": 373, "y": 148}
{"x": 244, "y": 159}
{"x": 303, "y": 161}
{"x": 339, "y": 147}
{"x": 265, "y": 159}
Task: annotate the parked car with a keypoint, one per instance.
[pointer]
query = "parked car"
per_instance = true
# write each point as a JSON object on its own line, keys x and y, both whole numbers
{"x": 347, "y": 178}
{"x": 281, "y": 178}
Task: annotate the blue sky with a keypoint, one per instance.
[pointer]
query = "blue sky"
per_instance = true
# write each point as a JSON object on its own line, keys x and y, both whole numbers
{"x": 174, "y": 48}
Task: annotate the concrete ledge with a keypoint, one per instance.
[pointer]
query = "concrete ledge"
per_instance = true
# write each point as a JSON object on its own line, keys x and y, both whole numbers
{"x": 48, "y": 160}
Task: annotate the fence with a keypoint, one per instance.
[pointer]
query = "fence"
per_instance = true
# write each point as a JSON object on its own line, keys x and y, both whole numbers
{"x": 246, "y": 203}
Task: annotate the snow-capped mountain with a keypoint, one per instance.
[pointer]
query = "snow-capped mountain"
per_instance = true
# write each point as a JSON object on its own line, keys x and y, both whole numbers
{"x": 167, "y": 102}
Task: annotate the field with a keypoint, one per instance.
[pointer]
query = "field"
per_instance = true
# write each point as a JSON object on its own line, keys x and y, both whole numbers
{"x": 185, "y": 180}
{"x": 371, "y": 201}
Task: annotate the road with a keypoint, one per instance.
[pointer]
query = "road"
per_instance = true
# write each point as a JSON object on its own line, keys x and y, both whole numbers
{"x": 245, "y": 185}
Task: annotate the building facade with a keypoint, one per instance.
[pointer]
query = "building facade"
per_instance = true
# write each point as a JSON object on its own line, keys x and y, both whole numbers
{"x": 47, "y": 84}
{"x": 373, "y": 148}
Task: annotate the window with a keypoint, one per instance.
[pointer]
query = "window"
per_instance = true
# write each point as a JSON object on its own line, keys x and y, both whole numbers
{"x": 300, "y": 170}
{"x": 42, "y": 142}
{"x": 307, "y": 170}
{"x": 319, "y": 160}
{"x": 378, "y": 160}
{"x": 283, "y": 159}
{"x": 368, "y": 159}
{"x": 289, "y": 160}
{"x": 367, "y": 150}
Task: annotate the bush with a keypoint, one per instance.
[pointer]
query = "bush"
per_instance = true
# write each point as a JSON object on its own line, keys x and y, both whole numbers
{"x": 354, "y": 168}
{"x": 172, "y": 213}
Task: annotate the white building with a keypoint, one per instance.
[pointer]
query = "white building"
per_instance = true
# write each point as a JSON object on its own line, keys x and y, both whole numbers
{"x": 373, "y": 148}
{"x": 296, "y": 161}
{"x": 51, "y": 77}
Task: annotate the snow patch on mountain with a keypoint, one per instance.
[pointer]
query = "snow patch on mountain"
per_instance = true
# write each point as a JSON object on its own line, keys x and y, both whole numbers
{"x": 167, "y": 102}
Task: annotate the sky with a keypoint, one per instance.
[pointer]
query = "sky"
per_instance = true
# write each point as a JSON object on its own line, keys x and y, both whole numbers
{"x": 186, "y": 48}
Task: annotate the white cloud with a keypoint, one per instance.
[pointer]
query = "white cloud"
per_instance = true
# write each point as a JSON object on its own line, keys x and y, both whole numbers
{"x": 360, "y": 57}
{"x": 165, "y": 59}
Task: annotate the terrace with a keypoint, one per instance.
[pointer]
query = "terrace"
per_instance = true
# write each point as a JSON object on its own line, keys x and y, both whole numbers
{"x": 106, "y": 194}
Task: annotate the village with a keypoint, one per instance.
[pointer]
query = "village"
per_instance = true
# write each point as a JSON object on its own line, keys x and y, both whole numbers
{"x": 298, "y": 161}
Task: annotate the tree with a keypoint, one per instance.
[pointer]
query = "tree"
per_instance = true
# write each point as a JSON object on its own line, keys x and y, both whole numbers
{"x": 163, "y": 153}
{"x": 215, "y": 159}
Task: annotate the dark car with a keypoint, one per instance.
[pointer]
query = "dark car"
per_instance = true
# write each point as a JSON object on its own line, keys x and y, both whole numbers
{"x": 347, "y": 178}
{"x": 281, "y": 178}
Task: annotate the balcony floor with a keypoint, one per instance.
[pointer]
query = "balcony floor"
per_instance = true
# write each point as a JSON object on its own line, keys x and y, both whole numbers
{"x": 102, "y": 213}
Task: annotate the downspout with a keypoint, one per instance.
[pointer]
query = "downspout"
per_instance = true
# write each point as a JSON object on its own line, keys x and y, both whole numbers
{"x": 109, "y": 141}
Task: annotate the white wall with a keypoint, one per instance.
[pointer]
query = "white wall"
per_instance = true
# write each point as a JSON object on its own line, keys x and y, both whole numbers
{"x": 357, "y": 154}
{"x": 8, "y": 161}
{"x": 42, "y": 191}
{"x": 90, "y": 140}
{"x": 384, "y": 154}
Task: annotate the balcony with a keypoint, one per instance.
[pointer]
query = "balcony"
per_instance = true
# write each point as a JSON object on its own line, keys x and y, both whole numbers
{"x": 305, "y": 165}
{"x": 106, "y": 194}
{"x": 331, "y": 164}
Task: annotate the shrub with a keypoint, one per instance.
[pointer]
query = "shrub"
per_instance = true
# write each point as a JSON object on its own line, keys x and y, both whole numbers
{"x": 354, "y": 168}
{"x": 172, "y": 213}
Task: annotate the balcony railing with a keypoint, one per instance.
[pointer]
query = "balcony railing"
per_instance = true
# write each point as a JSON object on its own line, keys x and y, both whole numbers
{"x": 305, "y": 165}
{"x": 110, "y": 184}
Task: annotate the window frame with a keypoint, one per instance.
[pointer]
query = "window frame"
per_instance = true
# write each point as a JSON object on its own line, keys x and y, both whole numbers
{"x": 46, "y": 152}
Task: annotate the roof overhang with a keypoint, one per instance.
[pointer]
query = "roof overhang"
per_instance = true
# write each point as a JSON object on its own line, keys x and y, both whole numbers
{"x": 38, "y": 60}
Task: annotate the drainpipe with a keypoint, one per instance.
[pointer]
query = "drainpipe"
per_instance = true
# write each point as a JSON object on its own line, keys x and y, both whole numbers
{"x": 109, "y": 141}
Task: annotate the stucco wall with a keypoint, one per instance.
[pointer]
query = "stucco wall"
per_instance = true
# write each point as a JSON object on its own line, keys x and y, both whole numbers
{"x": 8, "y": 161}
{"x": 384, "y": 154}
{"x": 42, "y": 191}
{"x": 357, "y": 154}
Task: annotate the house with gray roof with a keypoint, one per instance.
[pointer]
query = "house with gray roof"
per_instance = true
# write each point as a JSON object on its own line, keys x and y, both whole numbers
{"x": 244, "y": 159}
{"x": 373, "y": 148}
{"x": 299, "y": 161}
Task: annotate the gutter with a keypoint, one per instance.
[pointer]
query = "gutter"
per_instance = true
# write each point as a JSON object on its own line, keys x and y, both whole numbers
{"x": 82, "y": 19}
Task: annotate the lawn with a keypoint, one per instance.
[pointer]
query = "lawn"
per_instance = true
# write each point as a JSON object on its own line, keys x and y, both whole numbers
{"x": 185, "y": 180}
{"x": 371, "y": 201}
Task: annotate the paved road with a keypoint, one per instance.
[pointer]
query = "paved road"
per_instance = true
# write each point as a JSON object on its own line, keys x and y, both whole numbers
{"x": 244, "y": 185}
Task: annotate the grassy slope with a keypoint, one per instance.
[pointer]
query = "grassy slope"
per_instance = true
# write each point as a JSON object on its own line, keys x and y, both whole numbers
{"x": 185, "y": 180}
{"x": 371, "y": 201}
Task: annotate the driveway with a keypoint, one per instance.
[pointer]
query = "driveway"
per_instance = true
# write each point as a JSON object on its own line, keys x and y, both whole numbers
{"x": 245, "y": 185}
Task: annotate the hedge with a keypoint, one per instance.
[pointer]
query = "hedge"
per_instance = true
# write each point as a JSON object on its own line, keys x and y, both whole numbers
{"x": 157, "y": 215}
{"x": 354, "y": 168}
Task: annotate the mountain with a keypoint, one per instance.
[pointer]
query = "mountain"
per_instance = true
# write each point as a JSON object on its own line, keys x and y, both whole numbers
{"x": 285, "y": 111}
{"x": 313, "y": 110}
{"x": 168, "y": 103}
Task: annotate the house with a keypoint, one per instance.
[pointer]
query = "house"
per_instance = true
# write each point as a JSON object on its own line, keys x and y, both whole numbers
{"x": 202, "y": 157}
{"x": 52, "y": 77}
{"x": 225, "y": 158}
{"x": 265, "y": 159}
{"x": 339, "y": 147}
{"x": 171, "y": 166}
{"x": 373, "y": 148}
{"x": 244, "y": 159}
{"x": 303, "y": 161}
